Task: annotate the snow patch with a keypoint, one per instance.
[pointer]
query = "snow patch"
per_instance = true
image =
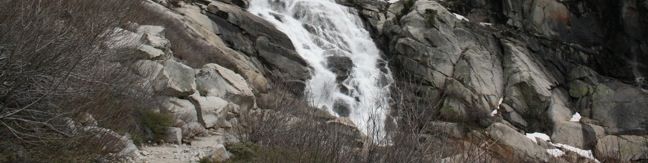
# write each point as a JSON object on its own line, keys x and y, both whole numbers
{"x": 499, "y": 103}
{"x": 555, "y": 152}
{"x": 537, "y": 135}
{"x": 492, "y": 114}
{"x": 460, "y": 17}
{"x": 562, "y": 147}
{"x": 485, "y": 24}
{"x": 576, "y": 117}
{"x": 584, "y": 153}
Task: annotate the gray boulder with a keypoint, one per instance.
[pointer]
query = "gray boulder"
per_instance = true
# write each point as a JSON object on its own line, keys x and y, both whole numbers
{"x": 622, "y": 148}
{"x": 175, "y": 79}
{"x": 154, "y": 36}
{"x": 575, "y": 134}
{"x": 210, "y": 109}
{"x": 250, "y": 23}
{"x": 287, "y": 61}
{"x": 620, "y": 108}
{"x": 216, "y": 80}
{"x": 210, "y": 83}
{"x": 181, "y": 109}
{"x": 509, "y": 137}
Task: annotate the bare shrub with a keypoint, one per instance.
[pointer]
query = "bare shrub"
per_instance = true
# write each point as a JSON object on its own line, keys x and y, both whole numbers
{"x": 54, "y": 64}
{"x": 288, "y": 130}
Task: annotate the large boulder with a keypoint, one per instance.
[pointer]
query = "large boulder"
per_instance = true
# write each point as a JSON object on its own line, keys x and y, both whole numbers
{"x": 181, "y": 109}
{"x": 283, "y": 59}
{"x": 210, "y": 83}
{"x": 175, "y": 79}
{"x": 575, "y": 134}
{"x": 211, "y": 110}
{"x": 215, "y": 80}
{"x": 250, "y": 23}
{"x": 620, "y": 108}
{"x": 622, "y": 148}
{"x": 517, "y": 142}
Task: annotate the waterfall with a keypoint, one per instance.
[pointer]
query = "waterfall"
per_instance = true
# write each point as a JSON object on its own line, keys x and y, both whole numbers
{"x": 349, "y": 78}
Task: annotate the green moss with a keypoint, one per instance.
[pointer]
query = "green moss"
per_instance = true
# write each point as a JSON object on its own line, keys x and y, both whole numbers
{"x": 579, "y": 89}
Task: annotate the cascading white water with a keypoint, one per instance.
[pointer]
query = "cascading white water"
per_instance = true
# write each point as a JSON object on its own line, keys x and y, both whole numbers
{"x": 321, "y": 29}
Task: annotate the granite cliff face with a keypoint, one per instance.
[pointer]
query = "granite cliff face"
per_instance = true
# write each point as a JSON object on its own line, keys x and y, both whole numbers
{"x": 514, "y": 80}
{"x": 536, "y": 62}
{"x": 573, "y": 70}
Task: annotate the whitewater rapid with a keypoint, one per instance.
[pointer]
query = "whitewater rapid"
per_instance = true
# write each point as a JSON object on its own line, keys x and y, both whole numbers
{"x": 321, "y": 29}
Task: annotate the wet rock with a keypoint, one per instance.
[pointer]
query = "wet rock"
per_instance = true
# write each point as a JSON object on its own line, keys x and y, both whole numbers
{"x": 286, "y": 61}
{"x": 250, "y": 23}
{"x": 341, "y": 66}
{"x": 341, "y": 108}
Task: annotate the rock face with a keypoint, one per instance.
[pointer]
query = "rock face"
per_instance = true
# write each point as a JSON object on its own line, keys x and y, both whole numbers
{"x": 620, "y": 107}
{"x": 630, "y": 148}
{"x": 537, "y": 62}
{"x": 258, "y": 38}
{"x": 596, "y": 26}
{"x": 512, "y": 67}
